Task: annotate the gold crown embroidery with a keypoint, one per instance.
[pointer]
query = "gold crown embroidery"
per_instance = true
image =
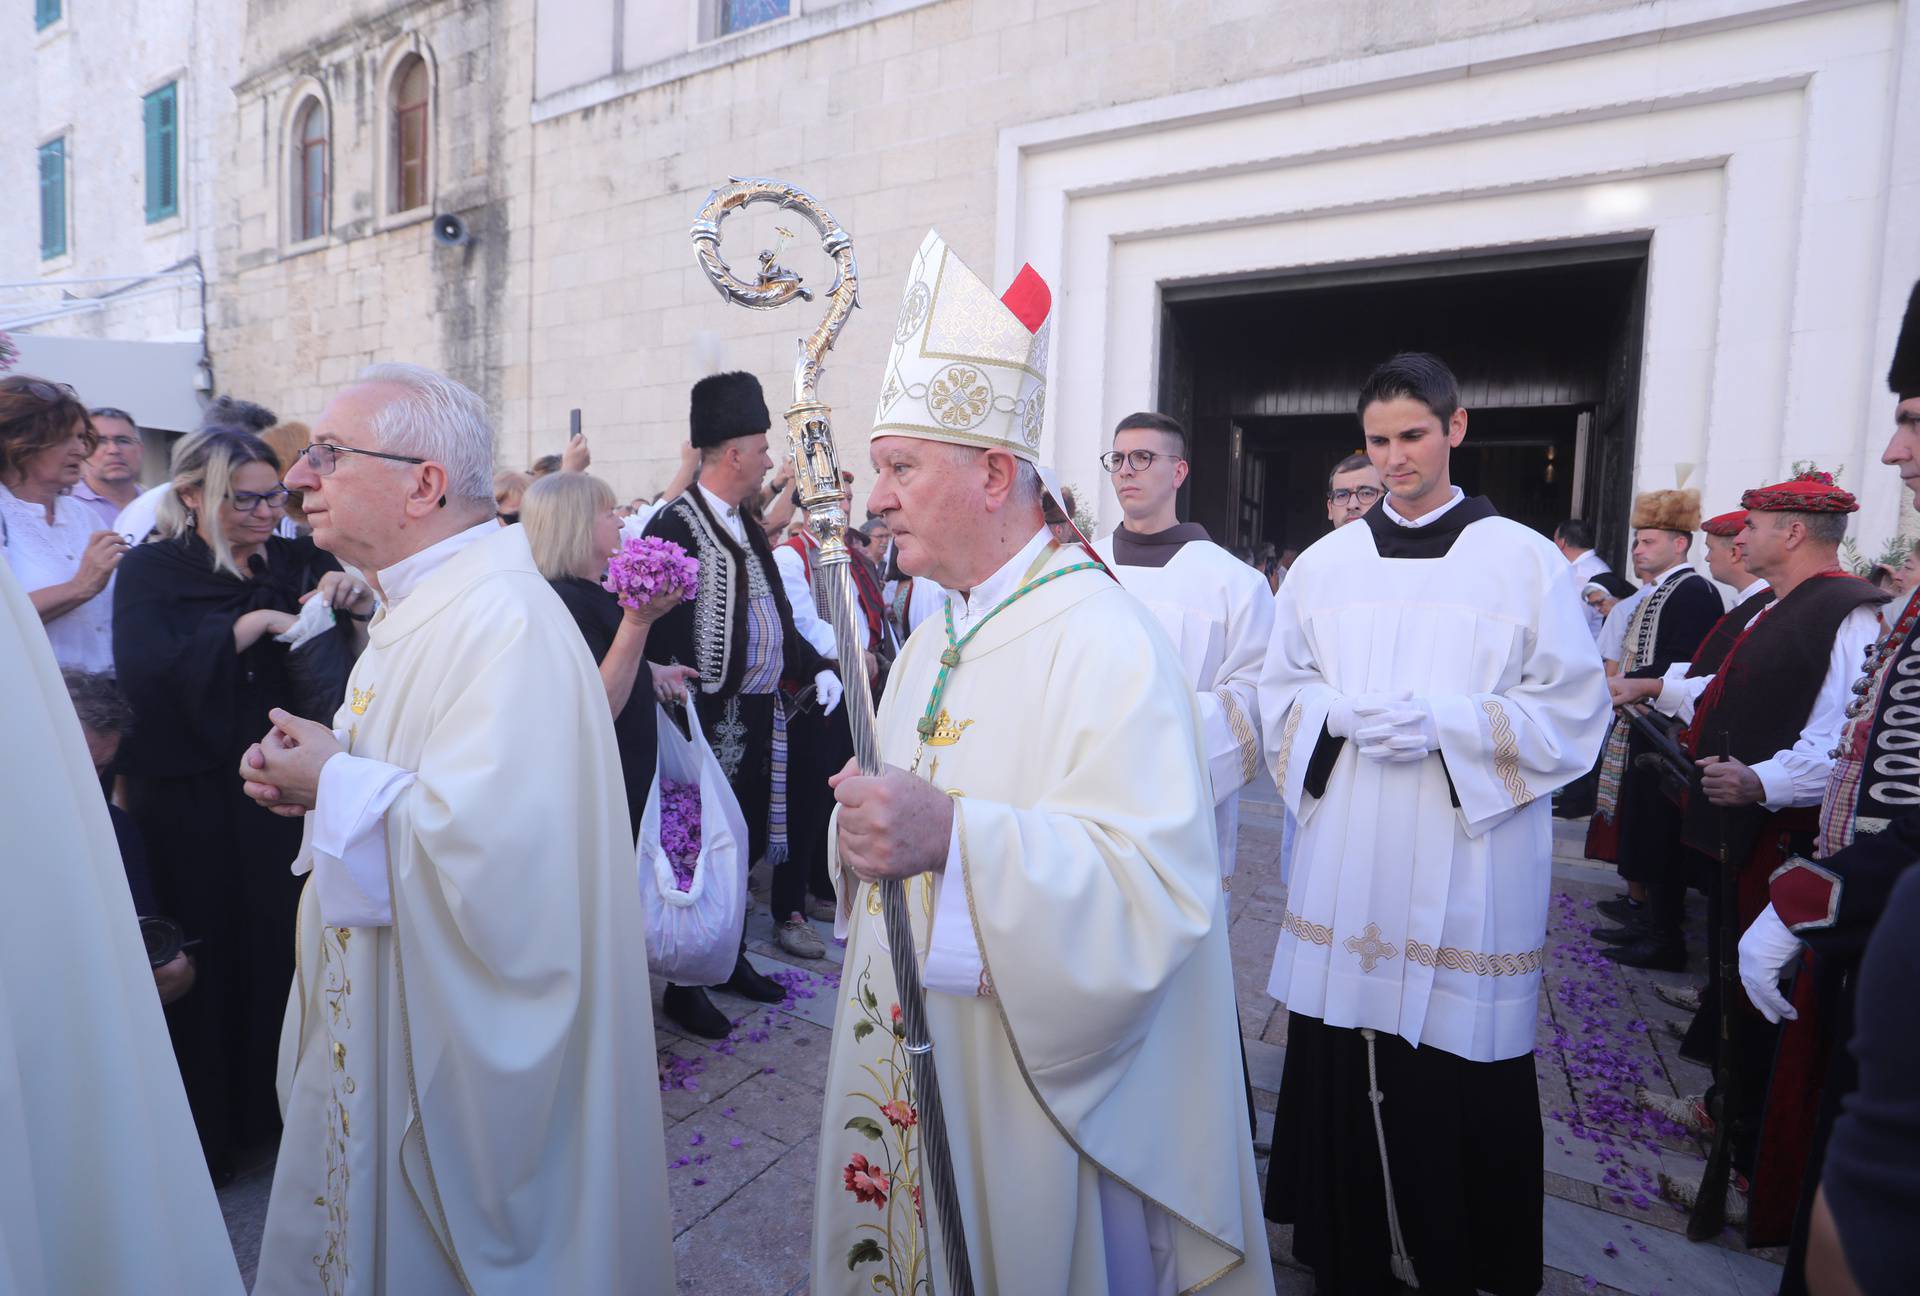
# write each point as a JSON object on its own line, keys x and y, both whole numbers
{"x": 945, "y": 732}
{"x": 362, "y": 699}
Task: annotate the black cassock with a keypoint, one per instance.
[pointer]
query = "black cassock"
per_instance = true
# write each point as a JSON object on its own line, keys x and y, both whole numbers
{"x": 219, "y": 863}
{"x": 598, "y": 615}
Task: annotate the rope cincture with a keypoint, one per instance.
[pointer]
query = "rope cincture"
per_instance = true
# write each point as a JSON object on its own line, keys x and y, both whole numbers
{"x": 1401, "y": 1263}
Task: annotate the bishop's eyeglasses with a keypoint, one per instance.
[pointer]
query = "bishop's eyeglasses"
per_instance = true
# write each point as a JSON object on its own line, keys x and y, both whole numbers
{"x": 1138, "y": 460}
{"x": 324, "y": 456}
{"x": 1355, "y": 494}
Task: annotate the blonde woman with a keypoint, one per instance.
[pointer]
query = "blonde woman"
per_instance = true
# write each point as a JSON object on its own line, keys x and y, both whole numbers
{"x": 196, "y": 610}
{"x": 573, "y": 527}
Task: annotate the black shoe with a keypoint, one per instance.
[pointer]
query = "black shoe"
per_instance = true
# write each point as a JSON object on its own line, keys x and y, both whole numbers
{"x": 690, "y": 1008}
{"x": 1623, "y": 935}
{"x": 750, "y": 984}
{"x": 1652, "y": 953}
{"x": 1623, "y": 909}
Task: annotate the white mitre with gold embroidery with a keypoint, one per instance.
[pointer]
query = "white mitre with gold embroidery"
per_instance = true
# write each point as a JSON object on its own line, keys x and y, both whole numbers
{"x": 967, "y": 366}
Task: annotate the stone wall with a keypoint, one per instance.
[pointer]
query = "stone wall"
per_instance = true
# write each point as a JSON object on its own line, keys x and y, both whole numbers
{"x": 294, "y": 321}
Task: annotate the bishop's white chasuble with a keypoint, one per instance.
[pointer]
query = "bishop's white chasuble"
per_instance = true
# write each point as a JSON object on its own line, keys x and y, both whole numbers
{"x": 1092, "y": 1076}
{"x": 1218, "y": 612}
{"x": 471, "y": 1093}
{"x": 1418, "y": 902}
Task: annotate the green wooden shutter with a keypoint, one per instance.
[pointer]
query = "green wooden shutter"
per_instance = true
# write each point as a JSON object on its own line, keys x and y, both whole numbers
{"x": 161, "y": 119}
{"x": 45, "y": 14}
{"x": 53, "y": 199}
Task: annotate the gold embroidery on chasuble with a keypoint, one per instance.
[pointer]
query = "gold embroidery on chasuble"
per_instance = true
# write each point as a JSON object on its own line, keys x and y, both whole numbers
{"x": 1243, "y": 735}
{"x": 336, "y": 990}
{"x": 1506, "y": 753}
{"x": 1463, "y": 960}
{"x": 1371, "y": 950}
{"x": 1287, "y": 734}
{"x": 362, "y": 699}
{"x": 1310, "y": 932}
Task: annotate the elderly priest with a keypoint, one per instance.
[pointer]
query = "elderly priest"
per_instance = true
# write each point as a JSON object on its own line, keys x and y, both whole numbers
{"x": 468, "y": 1065}
{"x": 1045, "y": 793}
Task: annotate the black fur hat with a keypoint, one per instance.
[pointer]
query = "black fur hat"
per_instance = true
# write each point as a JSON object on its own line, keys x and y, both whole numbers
{"x": 1904, "y": 377}
{"x": 726, "y": 406}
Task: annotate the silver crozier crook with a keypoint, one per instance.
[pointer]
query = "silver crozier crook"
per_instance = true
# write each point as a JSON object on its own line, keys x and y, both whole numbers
{"x": 816, "y": 471}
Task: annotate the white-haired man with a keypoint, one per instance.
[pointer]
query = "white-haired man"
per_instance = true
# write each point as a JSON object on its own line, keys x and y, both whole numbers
{"x": 1046, "y": 796}
{"x": 468, "y": 1085}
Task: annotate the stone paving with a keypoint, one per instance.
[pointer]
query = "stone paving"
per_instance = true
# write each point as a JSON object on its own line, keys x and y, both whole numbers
{"x": 742, "y": 1116}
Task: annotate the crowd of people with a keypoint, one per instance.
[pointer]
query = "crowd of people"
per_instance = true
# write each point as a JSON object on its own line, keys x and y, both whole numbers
{"x": 376, "y": 742}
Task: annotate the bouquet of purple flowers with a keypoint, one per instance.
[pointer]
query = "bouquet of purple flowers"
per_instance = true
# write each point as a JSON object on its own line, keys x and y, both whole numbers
{"x": 646, "y": 568}
{"x": 680, "y": 828}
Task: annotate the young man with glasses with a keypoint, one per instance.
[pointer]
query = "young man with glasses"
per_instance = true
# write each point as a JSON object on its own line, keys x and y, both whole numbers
{"x": 1353, "y": 487}
{"x": 110, "y": 478}
{"x": 1217, "y": 611}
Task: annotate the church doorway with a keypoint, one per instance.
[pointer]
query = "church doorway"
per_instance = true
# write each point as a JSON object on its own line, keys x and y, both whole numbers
{"x": 1546, "y": 346}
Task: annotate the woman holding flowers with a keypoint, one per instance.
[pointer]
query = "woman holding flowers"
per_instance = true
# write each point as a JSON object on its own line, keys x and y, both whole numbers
{"x": 573, "y": 527}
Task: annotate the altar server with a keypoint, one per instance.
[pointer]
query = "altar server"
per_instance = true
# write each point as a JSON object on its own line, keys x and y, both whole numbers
{"x": 468, "y": 1066}
{"x": 1430, "y": 683}
{"x": 1217, "y": 610}
{"x": 1045, "y": 794}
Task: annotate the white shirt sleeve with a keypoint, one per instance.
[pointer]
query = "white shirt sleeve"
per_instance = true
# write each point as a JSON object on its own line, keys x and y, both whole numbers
{"x": 1797, "y": 776}
{"x": 954, "y": 965}
{"x": 1678, "y": 694}
{"x": 350, "y": 876}
{"x": 806, "y": 618}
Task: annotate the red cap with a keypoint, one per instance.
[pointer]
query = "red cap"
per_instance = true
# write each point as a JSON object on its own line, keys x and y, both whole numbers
{"x": 1726, "y": 525}
{"x": 1810, "y": 492}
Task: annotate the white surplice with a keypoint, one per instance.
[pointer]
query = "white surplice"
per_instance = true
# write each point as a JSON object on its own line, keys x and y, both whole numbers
{"x": 1082, "y": 903}
{"x": 1408, "y": 912}
{"x": 468, "y": 1075}
{"x": 103, "y": 1187}
{"x": 1218, "y": 613}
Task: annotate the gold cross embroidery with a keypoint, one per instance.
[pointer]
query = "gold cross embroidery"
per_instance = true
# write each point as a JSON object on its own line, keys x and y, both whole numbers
{"x": 1370, "y": 947}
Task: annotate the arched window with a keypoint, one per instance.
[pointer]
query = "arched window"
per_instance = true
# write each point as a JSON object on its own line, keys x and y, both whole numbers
{"x": 408, "y": 181}
{"x": 310, "y": 172}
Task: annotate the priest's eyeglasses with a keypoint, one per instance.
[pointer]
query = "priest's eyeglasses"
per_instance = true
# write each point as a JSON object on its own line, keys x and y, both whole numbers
{"x": 250, "y": 501}
{"x": 1355, "y": 494}
{"x": 324, "y": 456}
{"x": 1138, "y": 460}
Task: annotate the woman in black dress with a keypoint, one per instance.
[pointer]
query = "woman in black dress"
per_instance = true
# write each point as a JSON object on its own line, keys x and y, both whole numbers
{"x": 573, "y": 528}
{"x": 194, "y": 618}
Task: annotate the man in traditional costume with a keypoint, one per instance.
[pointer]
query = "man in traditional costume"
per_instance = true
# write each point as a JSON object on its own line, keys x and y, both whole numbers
{"x": 1045, "y": 793}
{"x": 1430, "y": 682}
{"x": 1771, "y": 688}
{"x": 738, "y": 632}
{"x": 1826, "y": 908}
{"x": 1216, "y": 610}
{"x": 1683, "y": 682}
{"x": 468, "y": 1066}
{"x": 1634, "y": 825}
{"x": 103, "y": 1187}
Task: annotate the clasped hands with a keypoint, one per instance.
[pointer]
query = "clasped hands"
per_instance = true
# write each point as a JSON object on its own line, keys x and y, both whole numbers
{"x": 1392, "y": 728}
{"x": 891, "y": 824}
{"x": 281, "y": 772}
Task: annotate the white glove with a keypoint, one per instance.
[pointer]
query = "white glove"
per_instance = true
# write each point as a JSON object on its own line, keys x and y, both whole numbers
{"x": 826, "y": 687}
{"x": 1766, "y": 951}
{"x": 1396, "y": 731}
{"x": 1347, "y": 714}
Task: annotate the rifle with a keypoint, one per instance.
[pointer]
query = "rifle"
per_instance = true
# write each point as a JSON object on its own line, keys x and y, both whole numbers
{"x": 1710, "y": 1207}
{"x": 1668, "y": 759}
